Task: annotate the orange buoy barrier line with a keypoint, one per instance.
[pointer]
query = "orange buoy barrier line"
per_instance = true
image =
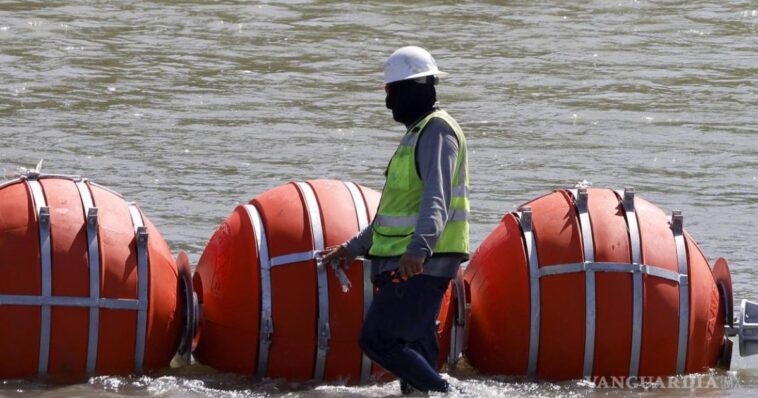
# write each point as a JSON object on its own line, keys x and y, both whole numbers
{"x": 269, "y": 307}
{"x": 593, "y": 282}
{"x": 87, "y": 284}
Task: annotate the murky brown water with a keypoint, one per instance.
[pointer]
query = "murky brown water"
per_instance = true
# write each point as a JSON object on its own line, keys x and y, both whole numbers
{"x": 188, "y": 107}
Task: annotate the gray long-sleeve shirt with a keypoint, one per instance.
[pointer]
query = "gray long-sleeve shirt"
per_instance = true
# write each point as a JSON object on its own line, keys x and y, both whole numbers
{"x": 436, "y": 155}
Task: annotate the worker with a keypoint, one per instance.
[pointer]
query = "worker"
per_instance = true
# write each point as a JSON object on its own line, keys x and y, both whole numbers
{"x": 419, "y": 236}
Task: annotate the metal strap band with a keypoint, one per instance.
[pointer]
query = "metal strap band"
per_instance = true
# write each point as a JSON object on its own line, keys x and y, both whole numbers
{"x": 582, "y": 208}
{"x": 661, "y": 273}
{"x": 359, "y": 204}
{"x": 677, "y": 227}
{"x": 643, "y": 269}
{"x": 631, "y": 219}
{"x": 266, "y": 321}
{"x": 323, "y": 332}
{"x": 619, "y": 267}
{"x": 525, "y": 219}
{"x": 43, "y": 217}
{"x": 9, "y": 182}
{"x": 627, "y": 201}
{"x": 410, "y": 221}
{"x": 69, "y": 301}
{"x": 141, "y": 237}
{"x": 562, "y": 269}
{"x": 368, "y": 290}
{"x": 93, "y": 253}
{"x": 293, "y": 258}
{"x": 36, "y": 176}
{"x": 33, "y": 176}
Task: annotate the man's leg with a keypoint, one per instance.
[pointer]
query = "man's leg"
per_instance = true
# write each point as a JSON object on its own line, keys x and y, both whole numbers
{"x": 401, "y": 314}
{"x": 429, "y": 349}
{"x": 428, "y": 346}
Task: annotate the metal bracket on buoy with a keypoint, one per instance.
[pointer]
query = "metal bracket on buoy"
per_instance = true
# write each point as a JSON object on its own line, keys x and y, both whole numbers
{"x": 143, "y": 276}
{"x": 191, "y": 313}
{"x": 459, "y": 329}
{"x": 746, "y": 329}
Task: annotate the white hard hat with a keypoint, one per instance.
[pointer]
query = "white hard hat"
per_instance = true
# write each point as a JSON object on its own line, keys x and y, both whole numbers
{"x": 410, "y": 62}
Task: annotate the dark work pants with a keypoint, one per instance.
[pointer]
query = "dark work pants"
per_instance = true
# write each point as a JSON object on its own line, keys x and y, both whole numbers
{"x": 399, "y": 332}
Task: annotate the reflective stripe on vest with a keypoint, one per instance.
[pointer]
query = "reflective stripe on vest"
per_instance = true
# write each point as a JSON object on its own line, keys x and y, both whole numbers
{"x": 398, "y": 210}
{"x": 410, "y": 221}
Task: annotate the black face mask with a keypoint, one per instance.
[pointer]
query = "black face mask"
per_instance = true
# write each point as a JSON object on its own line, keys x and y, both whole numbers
{"x": 409, "y": 100}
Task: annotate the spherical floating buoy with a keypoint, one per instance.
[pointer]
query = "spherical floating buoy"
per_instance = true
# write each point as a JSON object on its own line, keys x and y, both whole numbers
{"x": 269, "y": 307}
{"x": 87, "y": 284}
{"x": 594, "y": 283}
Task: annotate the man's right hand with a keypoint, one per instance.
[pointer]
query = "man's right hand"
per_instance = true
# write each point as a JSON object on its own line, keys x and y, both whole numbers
{"x": 337, "y": 253}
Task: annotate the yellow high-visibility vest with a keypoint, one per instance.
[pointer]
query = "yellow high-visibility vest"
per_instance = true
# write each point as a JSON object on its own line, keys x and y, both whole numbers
{"x": 398, "y": 211}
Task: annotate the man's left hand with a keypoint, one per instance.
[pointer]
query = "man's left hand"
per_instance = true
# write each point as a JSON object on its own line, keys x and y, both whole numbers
{"x": 411, "y": 265}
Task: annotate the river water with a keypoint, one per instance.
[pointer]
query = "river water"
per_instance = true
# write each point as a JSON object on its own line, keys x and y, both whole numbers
{"x": 189, "y": 107}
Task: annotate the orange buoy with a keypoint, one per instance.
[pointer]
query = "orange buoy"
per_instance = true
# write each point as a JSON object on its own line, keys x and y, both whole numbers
{"x": 269, "y": 308}
{"x": 87, "y": 284}
{"x": 590, "y": 283}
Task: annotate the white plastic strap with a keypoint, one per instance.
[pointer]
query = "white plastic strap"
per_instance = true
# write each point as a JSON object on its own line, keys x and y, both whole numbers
{"x": 361, "y": 213}
{"x": 323, "y": 332}
{"x": 93, "y": 253}
{"x": 677, "y": 228}
{"x": 43, "y": 218}
{"x": 141, "y": 237}
{"x": 266, "y": 321}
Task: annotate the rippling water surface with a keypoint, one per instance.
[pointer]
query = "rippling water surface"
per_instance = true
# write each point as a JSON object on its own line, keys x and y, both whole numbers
{"x": 188, "y": 107}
